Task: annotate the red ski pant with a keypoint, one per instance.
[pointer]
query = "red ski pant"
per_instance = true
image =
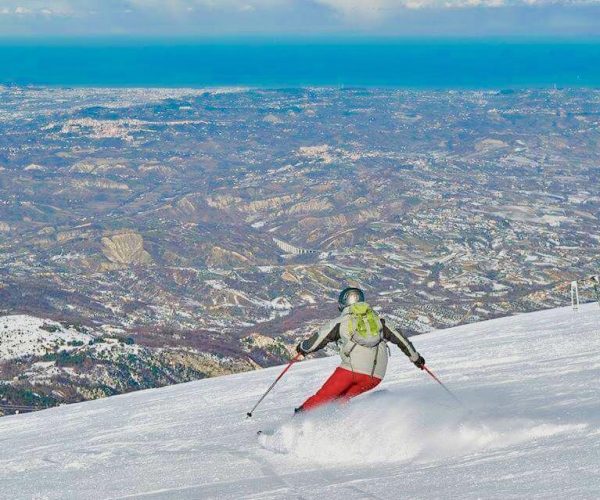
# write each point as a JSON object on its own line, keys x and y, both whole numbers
{"x": 342, "y": 385}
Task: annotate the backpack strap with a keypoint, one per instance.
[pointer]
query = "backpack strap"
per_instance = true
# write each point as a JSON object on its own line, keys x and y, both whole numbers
{"x": 375, "y": 359}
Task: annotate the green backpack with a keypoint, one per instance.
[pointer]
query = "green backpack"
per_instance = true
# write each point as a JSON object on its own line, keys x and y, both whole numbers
{"x": 364, "y": 325}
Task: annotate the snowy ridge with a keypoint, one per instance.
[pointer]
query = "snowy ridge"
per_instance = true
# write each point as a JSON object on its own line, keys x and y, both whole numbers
{"x": 45, "y": 363}
{"x": 532, "y": 428}
{"x": 23, "y": 335}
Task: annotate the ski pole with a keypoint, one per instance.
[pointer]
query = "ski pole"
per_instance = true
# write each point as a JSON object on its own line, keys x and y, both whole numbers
{"x": 289, "y": 365}
{"x": 452, "y": 395}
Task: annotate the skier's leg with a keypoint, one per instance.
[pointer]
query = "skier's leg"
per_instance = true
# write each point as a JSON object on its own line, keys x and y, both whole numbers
{"x": 362, "y": 383}
{"x": 337, "y": 384}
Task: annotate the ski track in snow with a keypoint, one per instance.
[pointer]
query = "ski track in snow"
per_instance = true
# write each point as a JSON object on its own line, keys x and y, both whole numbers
{"x": 530, "y": 427}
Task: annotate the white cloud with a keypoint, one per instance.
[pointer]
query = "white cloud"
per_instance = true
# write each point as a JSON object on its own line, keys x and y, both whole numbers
{"x": 36, "y": 8}
{"x": 232, "y": 16}
{"x": 375, "y": 9}
{"x": 177, "y": 6}
{"x": 365, "y": 10}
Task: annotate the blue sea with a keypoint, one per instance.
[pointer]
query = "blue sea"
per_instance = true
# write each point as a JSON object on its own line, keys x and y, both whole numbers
{"x": 404, "y": 63}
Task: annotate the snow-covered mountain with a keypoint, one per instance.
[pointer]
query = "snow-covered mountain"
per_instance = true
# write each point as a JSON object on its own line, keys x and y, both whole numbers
{"x": 531, "y": 428}
{"x": 46, "y": 363}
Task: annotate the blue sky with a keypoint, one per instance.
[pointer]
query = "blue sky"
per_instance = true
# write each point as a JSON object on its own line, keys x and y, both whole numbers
{"x": 299, "y": 17}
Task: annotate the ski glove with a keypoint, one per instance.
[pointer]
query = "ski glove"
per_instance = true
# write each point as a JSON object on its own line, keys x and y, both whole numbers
{"x": 299, "y": 349}
{"x": 420, "y": 362}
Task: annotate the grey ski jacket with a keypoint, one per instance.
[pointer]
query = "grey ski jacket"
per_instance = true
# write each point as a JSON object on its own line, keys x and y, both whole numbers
{"x": 355, "y": 357}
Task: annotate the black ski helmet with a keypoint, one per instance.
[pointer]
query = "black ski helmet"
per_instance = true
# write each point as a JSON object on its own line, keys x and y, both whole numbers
{"x": 350, "y": 295}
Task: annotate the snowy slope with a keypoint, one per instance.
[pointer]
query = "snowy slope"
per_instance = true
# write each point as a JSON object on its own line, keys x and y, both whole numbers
{"x": 532, "y": 383}
{"x": 22, "y": 335}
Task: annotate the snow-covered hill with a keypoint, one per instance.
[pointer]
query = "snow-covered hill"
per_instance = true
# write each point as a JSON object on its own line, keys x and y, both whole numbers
{"x": 46, "y": 363}
{"x": 22, "y": 335}
{"x": 531, "y": 382}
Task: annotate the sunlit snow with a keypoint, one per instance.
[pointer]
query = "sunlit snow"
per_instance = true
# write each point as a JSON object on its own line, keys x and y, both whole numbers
{"x": 530, "y": 428}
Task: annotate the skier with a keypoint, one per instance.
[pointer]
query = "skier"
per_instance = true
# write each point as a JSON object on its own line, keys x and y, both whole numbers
{"x": 362, "y": 339}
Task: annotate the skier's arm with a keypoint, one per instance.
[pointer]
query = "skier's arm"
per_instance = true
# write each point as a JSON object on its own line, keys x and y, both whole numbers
{"x": 396, "y": 337}
{"x": 328, "y": 333}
